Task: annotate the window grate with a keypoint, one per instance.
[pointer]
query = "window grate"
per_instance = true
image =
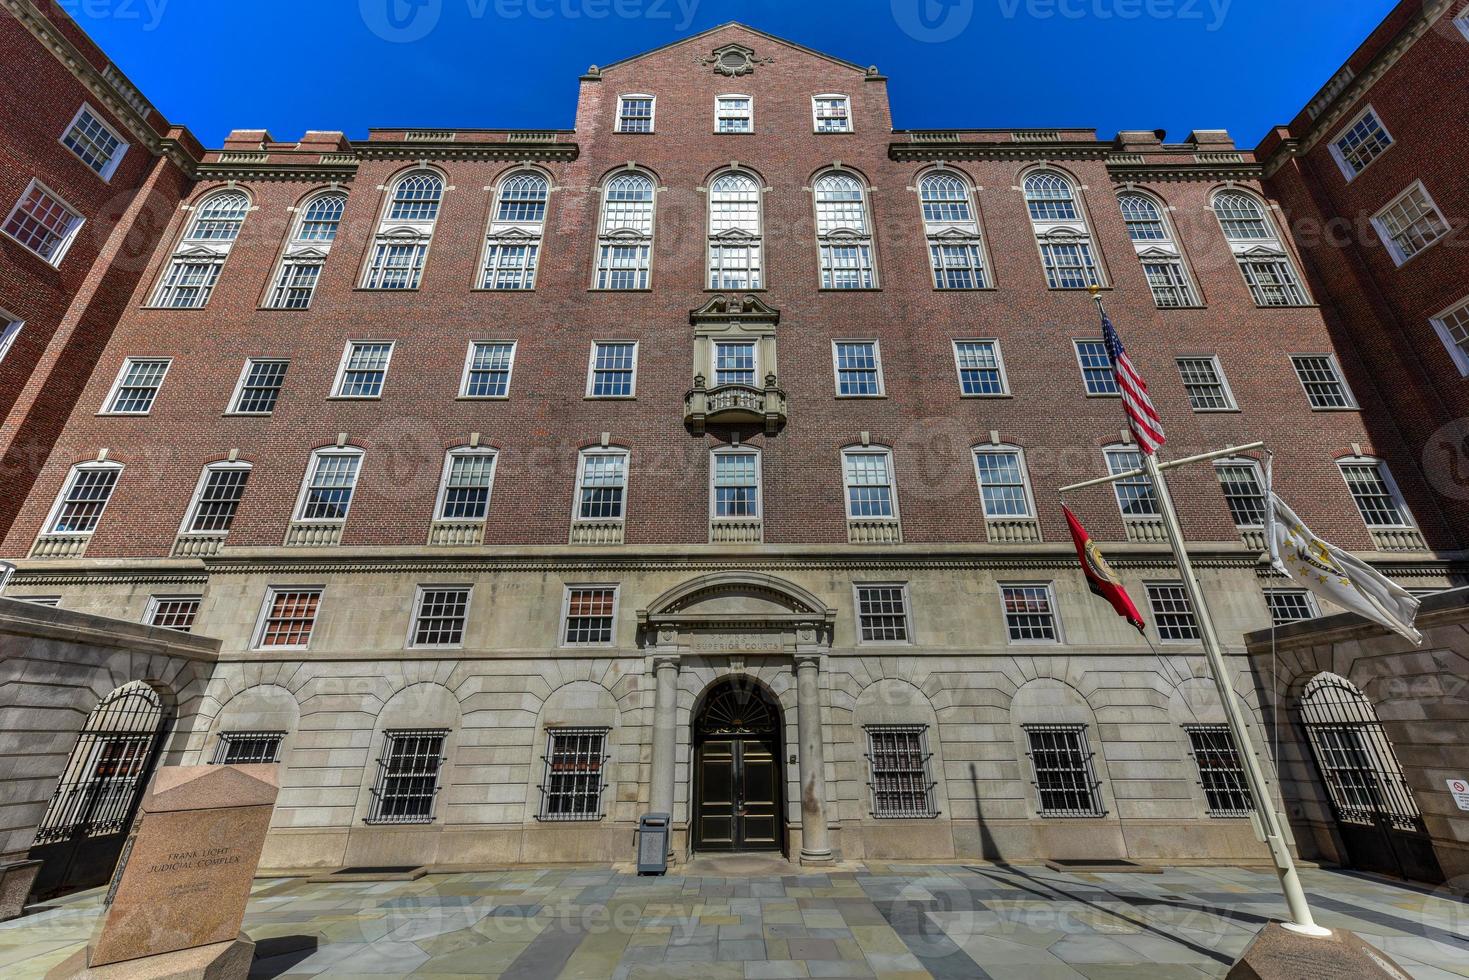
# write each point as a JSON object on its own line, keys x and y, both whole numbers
{"x": 897, "y": 757}
{"x": 1220, "y": 771}
{"x": 575, "y": 760}
{"x": 1065, "y": 782}
{"x": 408, "y": 777}
{"x": 248, "y": 748}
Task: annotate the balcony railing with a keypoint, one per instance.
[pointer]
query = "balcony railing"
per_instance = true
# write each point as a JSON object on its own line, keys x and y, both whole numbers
{"x": 735, "y": 405}
{"x": 1254, "y": 538}
{"x": 314, "y": 535}
{"x": 735, "y": 532}
{"x": 1147, "y": 530}
{"x": 60, "y": 546}
{"x": 596, "y": 532}
{"x": 197, "y": 545}
{"x": 1398, "y": 539}
{"x": 865, "y": 531}
{"x": 449, "y": 533}
{"x": 1012, "y": 530}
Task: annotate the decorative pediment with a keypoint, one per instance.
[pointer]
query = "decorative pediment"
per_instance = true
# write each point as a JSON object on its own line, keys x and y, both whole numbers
{"x": 513, "y": 234}
{"x": 624, "y": 234}
{"x": 403, "y": 232}
{"x": 1155, "y": 252}
{"x": 200, "y": 252}
{"x": 734, "y": 234}
{"x": 1062, "y": 235}
{"x": 734, "y": 60}
{"x": 740, "y": 604}
{"x": 1261, "y": 252}
{"x": 847, "y": 234}
{"x": 740, "y": 309}
{"x": 955, "y": 234}
{"x": 307, "y": 254}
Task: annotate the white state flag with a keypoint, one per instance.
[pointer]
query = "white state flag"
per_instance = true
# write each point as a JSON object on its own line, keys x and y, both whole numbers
{"x": 1335, "y": 575}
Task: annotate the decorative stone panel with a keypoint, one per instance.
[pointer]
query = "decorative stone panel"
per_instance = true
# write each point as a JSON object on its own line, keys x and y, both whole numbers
{"x": 456, "y": 532}
{"x": 1398, "y": 539}
{"x": 197, "y": 545}
{"x": 1148, "y": 531}
{"x": 735, "y": 532}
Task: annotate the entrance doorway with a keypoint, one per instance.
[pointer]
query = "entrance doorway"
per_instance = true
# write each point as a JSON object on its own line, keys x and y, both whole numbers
{"x": 737, "y": 770}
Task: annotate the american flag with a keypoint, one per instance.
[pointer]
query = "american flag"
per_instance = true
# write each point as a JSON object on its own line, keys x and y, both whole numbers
{"x": 1142, "y": 417}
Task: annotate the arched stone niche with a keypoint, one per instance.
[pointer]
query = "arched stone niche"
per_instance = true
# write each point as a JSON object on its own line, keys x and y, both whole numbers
{"x": 736, "y": 612}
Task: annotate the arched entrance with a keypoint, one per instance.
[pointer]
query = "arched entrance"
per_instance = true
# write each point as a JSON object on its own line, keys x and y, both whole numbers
{"x": 82, "y": 832}
{"x": 738, "y": 778}
{"x": 1376, "y": 815}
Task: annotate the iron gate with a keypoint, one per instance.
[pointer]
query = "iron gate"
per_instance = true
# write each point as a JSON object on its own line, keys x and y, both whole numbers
{"x": 1375, "y": 812}
{"x": 87, "y": 820}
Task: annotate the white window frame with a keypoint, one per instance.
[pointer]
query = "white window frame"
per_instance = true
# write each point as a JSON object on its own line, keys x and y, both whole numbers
{"x": 1384, "y": 473}
{"x": 752, "y": 341}
{"x": 514, "y": 234}
{"x": 718, "y": 451}
{"x": 442, "y": 497}
{"x": 1341, "y": 379}
{"x": 412, "y": 232}
{"x": 1393, "y": 249}
{"x": 816, "y": 119}
{"x": 311, "y": 464}
{"x": 754, "y": 241}
{"x": 1254, "y": 467}
{"x": 1459, "y": 355}
{"x": 71, "y": 476}
{"x": 186, "y": 525}
{"x": 719, "y": 114}
{"x": 122, "y": 145}
{"x": 154, "y": 601}
{"x": 1062, "y": 232}
{"x": 1129, "y": 447}
{"x": 581, "y": 471}
{"x": 10, "y": 327}
{"x": 1340, "y": 157}
{"x": 652, "y": 114}
{"x": 509, "y": 373}
{"x": 409, "y": 643}
{"x": 257, "y": 636}
{"x": 955, "y": 234}
{"x": 1231, "y": 405}
{"x": 1004, "y": 449}
{"x": 836, "y": 371}
{"x": 623, "y": 237}
{"x": 908, "y": 629}
{"x": 239, "y": 392}
{"x": 1312, "y": 606}
{"x": 1004, "y": 391}
{"x": 1462, "y": 22}
{"x": 67, "y": 240}
{"x": 592, "y": 370}
{"x": 571, "y": 587}
{"x": 894, "y": 517}
{"x": 342, "y": 370}
{"x": 1148, "y": 588}
{"x": 1056, "y": 627}
{"x": 109, "y": 403}
{"x": 1081, "y": 368}
{"x": 844, "y": 237}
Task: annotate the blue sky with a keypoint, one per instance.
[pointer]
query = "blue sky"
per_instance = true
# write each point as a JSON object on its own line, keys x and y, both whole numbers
{"x": 293, "y": 65}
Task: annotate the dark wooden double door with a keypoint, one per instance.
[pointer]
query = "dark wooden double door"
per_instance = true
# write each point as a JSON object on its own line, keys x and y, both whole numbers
{"x": 737, "y": 772}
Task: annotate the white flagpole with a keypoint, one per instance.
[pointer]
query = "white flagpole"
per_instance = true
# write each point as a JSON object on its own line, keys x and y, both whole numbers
{"x": 1267, "y": 820}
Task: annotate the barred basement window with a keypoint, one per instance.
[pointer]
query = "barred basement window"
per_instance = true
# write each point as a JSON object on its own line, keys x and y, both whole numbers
{"x": 1030, "y": 613}
{"x": 1410, "y": 223}
{"x": 218, "y": 498}
{"x": 1066, "y": 785}
{"x": 981, "y": 369}
{"x": 1172, "y": 614}
{"x": 897, "y": 758}
{"x": 43, "y": 223}
{"x": 882, "y": 613}
{"x": 843, "y": 232}
{"x": 1364, "y": 140}
{"x": 136, "y": 386}
{"x": 259, "y": 387}
{"x": 589, "y": 616}
{"x": 1096, "y": 368}
{"x": 94, "y": 142}
{"x": 172, "y": 612}
{"x": 439, "y": 616}
{"x": 84, "y": 497}
{"x": 1322, "y": 379}
{"x": 364, "y": 369}
{"x": 248, "y": 748}
{"x": 1290, "y": 606}
{"x": 1220, "y": 771}
{"x": 1244, "y": 493}
{"x": 1203, "y": 380}
{"x": 1375, "y": 494}
{"x": 407, "y": 777}
{"x": 572, "y": 787}
{"x": 288, "y": 617}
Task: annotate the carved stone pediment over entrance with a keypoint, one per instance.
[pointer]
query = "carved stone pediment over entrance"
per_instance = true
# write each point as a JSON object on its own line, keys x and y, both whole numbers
{"x": 736, "y": 613}
{"x": 724, "y": 309}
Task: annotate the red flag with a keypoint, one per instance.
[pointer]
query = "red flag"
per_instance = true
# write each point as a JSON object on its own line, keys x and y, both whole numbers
{"x": 1100, "y": 578}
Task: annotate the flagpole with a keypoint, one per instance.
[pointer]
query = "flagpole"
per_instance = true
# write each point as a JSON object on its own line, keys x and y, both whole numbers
{"x": 1266, "y": 818}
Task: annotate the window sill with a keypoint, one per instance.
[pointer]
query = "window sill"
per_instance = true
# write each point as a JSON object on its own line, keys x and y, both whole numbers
{"x": 1001, "y": 395}
{"x": 500, "y": 292}
{"x": 605, "y": 289}
{"x": 122, "y": 415}
{"x": 1288, "y": 306}
{"x": 966, "y": 289}
{"x": 380, "y": 289}
{"x": 609, "y": 398}
{"x": 354, "y": 398}
{"x": 709, "y": 289}
{"x": 861, "y": 289}
{"x": 283, "y": 309}
{"x": 859, "y": 398}
{"x": 1075, "y": 289}
{"x": 1216, "y": 411}
{"x": 1188, "y": 306}
{"x": 245, "y": 415}
{"x": 1103, "y": 395}
{"x": 1342, "y": 408}
{"x": 481, "y": 398}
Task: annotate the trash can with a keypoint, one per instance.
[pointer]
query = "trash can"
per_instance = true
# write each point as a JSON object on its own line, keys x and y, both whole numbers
{"x": 653, "y": 843}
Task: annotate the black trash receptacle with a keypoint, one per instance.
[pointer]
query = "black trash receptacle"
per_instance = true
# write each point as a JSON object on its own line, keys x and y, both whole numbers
{"x": 653, "y": 843}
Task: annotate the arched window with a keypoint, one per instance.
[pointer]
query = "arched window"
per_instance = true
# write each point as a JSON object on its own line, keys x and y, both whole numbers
{"x": 955, "y": 248}
{"x": 513, "y": 245}
{"x": 405, "y": 232}
{"x": 306, "y": 251}
{"x": 1061, "y": 231}
{"x": 843, "y": 232}
{"x": 1256, "y": 245}
{"x": 735, "y": 241}
{"x": 1157, "y": 249}
{"x": 200, "y": 253}
{"x": 625, "y": 240}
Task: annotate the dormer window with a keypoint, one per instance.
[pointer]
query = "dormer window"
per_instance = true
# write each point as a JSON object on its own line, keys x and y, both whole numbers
{"x": 635, "y": 113}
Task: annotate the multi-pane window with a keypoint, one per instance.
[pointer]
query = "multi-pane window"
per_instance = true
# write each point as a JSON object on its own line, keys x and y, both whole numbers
{"x": 513, "y": 244}
{"x": 590, "y": 612}
{"x": 1144, "y": 219}
{"x": 43, "y": 223}
{"x": 438, "y": 616}
{"x": 306, "y": 251}
{"x": 136, "y": 386}
{"x": 1363, "y": 141}
{"x": 1220, "y": 772}
{"x": 330, "y": 483}
{"x": 736, "y": 484}
{"x": 9, "y": 330}
{"x": 734, "y": 114}
{"x": 259, "y": 387}
{"x": 201, "y": 253}
{"x": 1069, "y": 265}
{"x": 173, "y": 612}
{"x": 612, "y": 372}
{"x": 735, "y": 240}
{"x": 364, "y": 368}
{"x": 601, "y": 486}
{"x": 1002, "y": 483}
{"x": 1322, "y": 379}
{"x": 416, "y": 198}
{"x": 469, "y": 476}
{"x": 1135, "y": 496}
{"x": 1061, "y": 231}
{"x": 1242, "y": 218}
{"x": 487, "y": 369}
{"x": 83, "y": 499}
{"x": 1065, "y": 783}
{"x": 1256, "y": 246}
{"x": 1172, "y": 614}
{"x": 407, "y": 777}
{"x": 1157, "y": 250}
{"x": 288, "y": 617}
{"x": 575, "y": 760}
{"x": 94, "y": 142}
{"x": 221, "y": 489}
{"x": 1376, "y": 497}
{"x": 635, "y": 114}
{"x": 1290, "y": 606}
{"x": 1030, "y": 613}
{"x": 981, "y": 371}
{"x": 248, "y": 748}
{"x": 882, "y": 613}
{"x": 219, "y": 217}
{"x": 321, "y": 218}
{"x": 1452, "y": 326}
{"x": 831, "y": 114}
{"x": 625, "y": 245}
{"x": 734, "y": 362}
{"x": 1096, "y": 368}
{"x": 843, "y": 232}
{"x": 858, "y": 368}
{"x": 295, "y": 284}
{"x": 1410, "y": 223}
{"x": 1169, "y": 282}
{"x": 955, "y": 249}
{"x": 188, "y": 284}
{"x": 412, "y": 210}
{"x": 1244, "y": 493}
{"x": 1273, "y": 282}
{"x": 897, "y": 758}
{"x": 1049, "y": 197}
{"x": 1203, "y": 380}
{"x": 869, "y": 479}
{"x": 396, "y": 265}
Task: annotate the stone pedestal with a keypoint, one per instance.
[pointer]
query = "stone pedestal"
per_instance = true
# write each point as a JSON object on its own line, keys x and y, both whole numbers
{"x": 1279, "y": 954}
{"x": 217, "y": 961}
{"x": 16, "y": 879}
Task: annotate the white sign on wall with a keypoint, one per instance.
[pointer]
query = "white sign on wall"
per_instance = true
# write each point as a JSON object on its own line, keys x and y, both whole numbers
{"x": 1460, "y": 788}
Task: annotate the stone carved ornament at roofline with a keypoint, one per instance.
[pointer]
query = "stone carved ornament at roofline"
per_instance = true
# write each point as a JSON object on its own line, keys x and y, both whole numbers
{"x": 733, "y": 60}
{"x": 722, "y": 309}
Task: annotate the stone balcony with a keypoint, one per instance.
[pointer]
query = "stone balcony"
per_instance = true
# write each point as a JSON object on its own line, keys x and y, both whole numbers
{"x": 1146, "y": 530}
{"x": 736, "y": 532}
{"x": 1012, "y": 530}
{"x": 735, "y": 405}
{"x": 870, "y": 531}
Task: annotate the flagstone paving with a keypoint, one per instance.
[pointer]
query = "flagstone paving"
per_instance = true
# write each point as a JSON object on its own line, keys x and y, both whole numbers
{"x": 887, "y": 922}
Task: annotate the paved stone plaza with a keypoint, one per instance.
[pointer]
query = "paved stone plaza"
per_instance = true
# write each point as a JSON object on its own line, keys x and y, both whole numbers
{"x": 870, "y": 920}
